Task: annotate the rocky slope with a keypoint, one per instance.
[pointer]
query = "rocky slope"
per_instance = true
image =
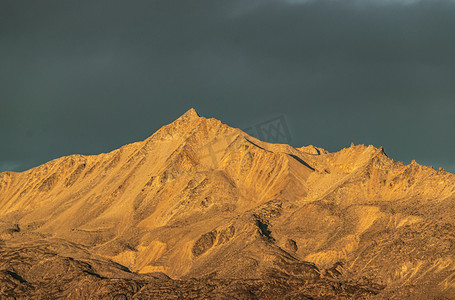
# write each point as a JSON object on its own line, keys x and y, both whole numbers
{"x": 226, "y": 215}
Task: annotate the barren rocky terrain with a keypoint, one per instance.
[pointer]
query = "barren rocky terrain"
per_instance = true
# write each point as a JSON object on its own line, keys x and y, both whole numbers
{"x": 203, "y": 210}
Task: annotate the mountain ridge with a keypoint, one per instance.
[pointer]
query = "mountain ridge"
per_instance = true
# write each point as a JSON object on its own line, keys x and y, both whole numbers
{"x": 200, "y": 199}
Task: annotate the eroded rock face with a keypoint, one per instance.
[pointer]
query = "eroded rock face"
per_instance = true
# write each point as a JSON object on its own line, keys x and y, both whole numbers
{"x": 204, "y": 243}
{"x": 226, "y": 215}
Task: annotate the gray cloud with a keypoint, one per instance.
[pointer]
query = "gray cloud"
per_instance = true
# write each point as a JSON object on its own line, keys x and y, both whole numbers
{"x": 87, "y": 77}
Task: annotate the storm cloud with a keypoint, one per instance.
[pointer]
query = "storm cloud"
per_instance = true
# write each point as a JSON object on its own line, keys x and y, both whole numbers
{"x": 89, "y": 76}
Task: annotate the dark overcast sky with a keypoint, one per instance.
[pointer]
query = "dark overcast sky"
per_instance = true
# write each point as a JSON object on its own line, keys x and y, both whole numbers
{"x": 89, "y": 76}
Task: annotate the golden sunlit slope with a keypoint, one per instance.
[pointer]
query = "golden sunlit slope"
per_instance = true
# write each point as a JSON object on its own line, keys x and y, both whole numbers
{"x": 199, "y": 198}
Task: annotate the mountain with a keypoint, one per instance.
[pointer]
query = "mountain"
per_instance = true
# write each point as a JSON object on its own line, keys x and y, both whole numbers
{"x": 201, "y": 209}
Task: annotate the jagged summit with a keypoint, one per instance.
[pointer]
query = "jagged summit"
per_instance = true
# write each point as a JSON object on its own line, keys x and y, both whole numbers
{"x": 189, "y": 115}
{"x": 199, "y": 199}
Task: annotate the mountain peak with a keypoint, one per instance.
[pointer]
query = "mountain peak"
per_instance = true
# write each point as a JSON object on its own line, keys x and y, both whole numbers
{"x": 180, "y": 126}
{"x": 190, "y": 115}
